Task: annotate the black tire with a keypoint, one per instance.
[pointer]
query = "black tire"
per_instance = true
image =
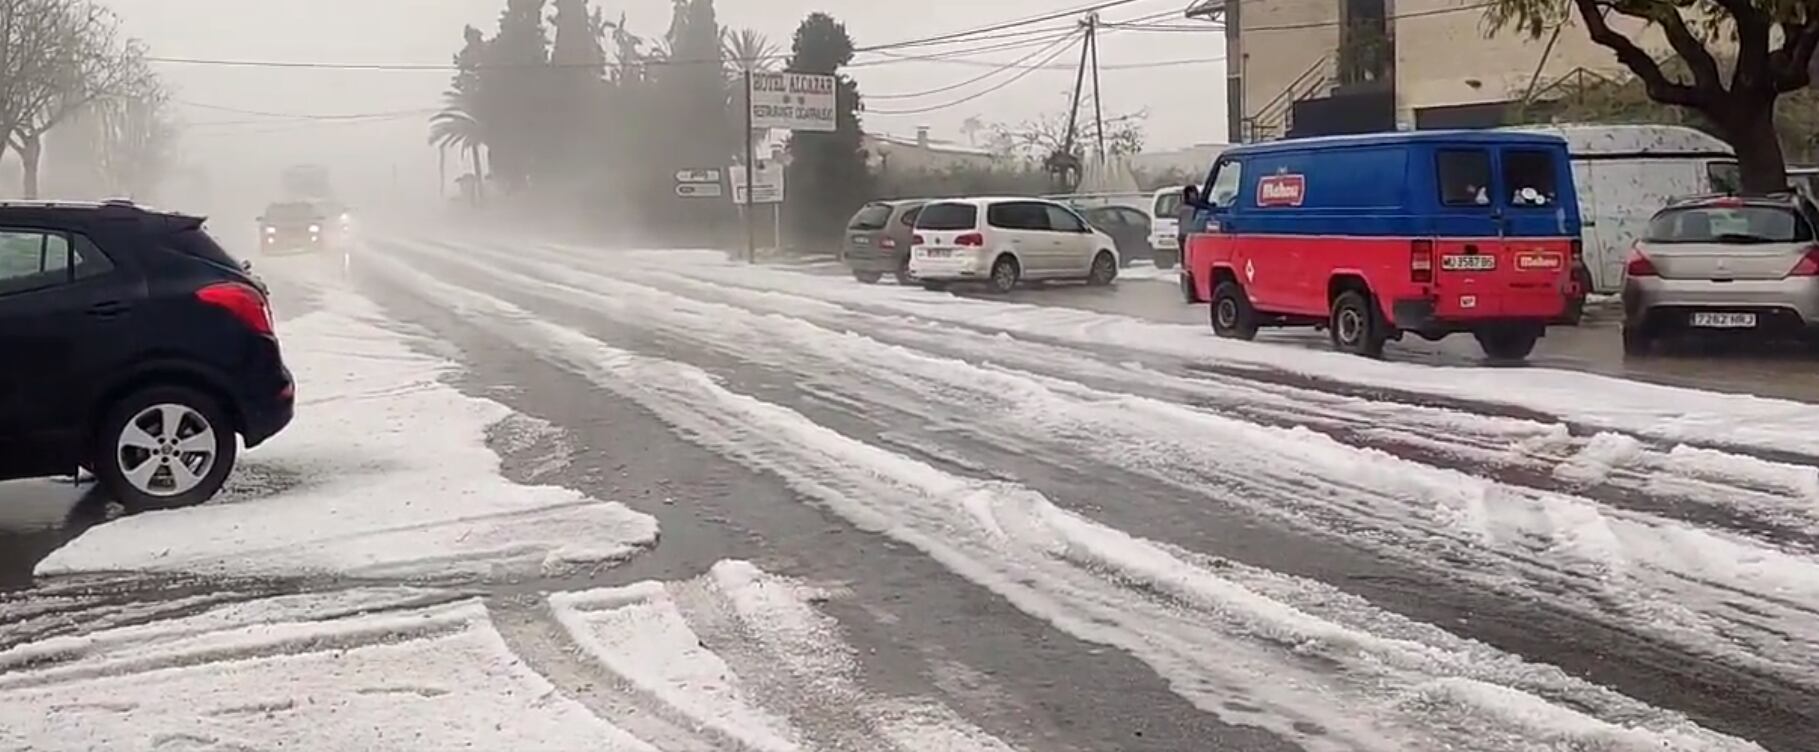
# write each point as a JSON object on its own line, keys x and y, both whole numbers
{"x": 1105, "y": 269}
{"x": 1232, "y": 315}
{"x": 1508, "y": 343}
{"x": 1005, "y": 273}
{"x": 198, "y": 411}
{"x": 934, "y": 285}
{"x": 1188, "y": 293}
{"x": 1637, "y": 341}
{"x": 1355, "y": 326}
{"x": 870, "y": 278}
{"x": 903, "y": 274}
{"x": 1165, "y": 261}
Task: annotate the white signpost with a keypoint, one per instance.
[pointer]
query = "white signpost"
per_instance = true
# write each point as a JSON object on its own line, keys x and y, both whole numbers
{"x": 708, "y": 175}
{"x": 793, "y": 101}
{"x": 699, "y": 190}
{"x": 766, "y": 186}
{"x": 789, "y": 101}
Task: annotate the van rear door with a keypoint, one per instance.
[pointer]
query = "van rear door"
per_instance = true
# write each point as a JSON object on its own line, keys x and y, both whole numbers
{"x": 1468, "y": 244}
{"x": 1537, "y": 237}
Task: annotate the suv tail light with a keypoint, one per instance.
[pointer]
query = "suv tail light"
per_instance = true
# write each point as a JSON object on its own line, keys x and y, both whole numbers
{"x": 1639, "y": 264}
{"x": 1421, "y": 261}
{"x": 243, "y": 301}
{"x": 970, "y": 239}
{"x": 917, "y": 240}
{"x": 1809, "y": 264}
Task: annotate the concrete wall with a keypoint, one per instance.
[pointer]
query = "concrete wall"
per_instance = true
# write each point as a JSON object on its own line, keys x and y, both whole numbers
{"x": 1272, "y": 57}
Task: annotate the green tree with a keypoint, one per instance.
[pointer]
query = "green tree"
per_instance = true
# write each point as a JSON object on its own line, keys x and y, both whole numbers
{"x": 827, "y": 178}
{"x": 577, "y": 88}
{"x": 514, "y": 93}
{"x": 1742, "y": 108}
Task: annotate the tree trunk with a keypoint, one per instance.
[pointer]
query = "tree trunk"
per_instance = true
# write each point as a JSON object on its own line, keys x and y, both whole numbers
{"x": 1752, "y": 133}
{"x": 31, "y": 151}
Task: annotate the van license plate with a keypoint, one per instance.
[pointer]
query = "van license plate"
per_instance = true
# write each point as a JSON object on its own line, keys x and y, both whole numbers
{"x": 1725, "y": 320}
{"x": 938, "y": 253}
{"x": 1477, "y": 262}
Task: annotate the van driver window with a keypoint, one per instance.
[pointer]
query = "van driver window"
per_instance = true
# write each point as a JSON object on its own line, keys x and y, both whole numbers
{"x": 1465, "y": 177}
{"x": 1529, "y": 176}
{"x": 1224, "y": 190}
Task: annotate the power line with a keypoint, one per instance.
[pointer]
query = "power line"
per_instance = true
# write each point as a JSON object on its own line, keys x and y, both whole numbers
{"x": 976, "y": 79}
{"x": 299, "y": 115}
{"x": 1398, "y": 17}
{"x": 963, "y": 100}
{"x": 1069, "y": 13}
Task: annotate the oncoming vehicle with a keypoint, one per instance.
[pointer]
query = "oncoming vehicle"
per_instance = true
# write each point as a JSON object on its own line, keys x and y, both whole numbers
{"x": 134, "y": 347}
{"x": 1002, "y": 241}
{"x": 1430, "y": 233}
{"x": 1165, "y": 227}
{"x": 878, "y": 240}
{"x": 1735, "y": 265}
{"x": 294, "y": 226}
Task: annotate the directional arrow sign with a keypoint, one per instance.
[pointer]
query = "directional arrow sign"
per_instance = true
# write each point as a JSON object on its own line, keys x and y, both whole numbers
{"x": 699, "y": 190}
{"x": 707, "y": 175}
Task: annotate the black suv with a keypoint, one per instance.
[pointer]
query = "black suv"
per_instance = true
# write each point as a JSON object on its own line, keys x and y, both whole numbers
{"x": 133, "y": 346}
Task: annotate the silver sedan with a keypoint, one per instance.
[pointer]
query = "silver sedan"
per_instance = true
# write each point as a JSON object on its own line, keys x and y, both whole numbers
{"x": 1724, "y": 264}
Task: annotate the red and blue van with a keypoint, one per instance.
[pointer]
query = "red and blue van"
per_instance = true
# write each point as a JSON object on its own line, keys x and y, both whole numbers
{"x": 1376, "y": 236}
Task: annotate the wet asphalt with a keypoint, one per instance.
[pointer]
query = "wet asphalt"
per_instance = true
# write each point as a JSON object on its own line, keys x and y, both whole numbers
{"x": 922, "y": 629}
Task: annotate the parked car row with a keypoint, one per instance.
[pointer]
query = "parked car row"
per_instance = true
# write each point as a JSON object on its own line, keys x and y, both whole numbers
{"x": 998, "y": 241}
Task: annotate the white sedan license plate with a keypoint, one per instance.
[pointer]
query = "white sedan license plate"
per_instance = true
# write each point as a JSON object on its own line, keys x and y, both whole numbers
{"x": 1476, "y": 262}
{"x": 1725, "y": 320}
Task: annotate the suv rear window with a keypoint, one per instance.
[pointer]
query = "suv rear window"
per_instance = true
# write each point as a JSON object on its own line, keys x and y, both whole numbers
{"x": 197, "y": 243}
{"x": 1729, "y": 224}
{"x": 948, "y": 217}
{"x": 871, "y": 217}
{"x": 1167, "y": 205}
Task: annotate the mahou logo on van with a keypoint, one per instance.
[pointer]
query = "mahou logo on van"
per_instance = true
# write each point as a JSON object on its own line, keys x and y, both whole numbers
{"x": 1281, "y": 190}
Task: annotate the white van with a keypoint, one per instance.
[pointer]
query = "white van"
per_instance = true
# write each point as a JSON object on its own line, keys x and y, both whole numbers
{"x": 1626, "y": 173}
{"x": 1165, "y": 226}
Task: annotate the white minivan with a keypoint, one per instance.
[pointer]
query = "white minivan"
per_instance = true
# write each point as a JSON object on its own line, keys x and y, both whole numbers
{"x": 1625, "y": 173}
{"x": 1165, "y": 226}
{"x": 1001, "y": 241}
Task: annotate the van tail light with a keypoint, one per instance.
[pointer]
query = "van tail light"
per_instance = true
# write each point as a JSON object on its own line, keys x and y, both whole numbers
{"x": 1421, "y": 261}
{"x": 1639, "y": 264}
{"x": 1578, "y": 253}
{"x": 243, "y": 301}
{"x": 887, "y": 243}
{"x": 1809, "y": 264}
{"x": 917, "y": 240}
{"x": 972, "y": 239}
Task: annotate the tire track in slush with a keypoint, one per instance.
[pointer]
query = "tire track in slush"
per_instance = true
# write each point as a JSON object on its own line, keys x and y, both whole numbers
{"x": 1321, "y": 682}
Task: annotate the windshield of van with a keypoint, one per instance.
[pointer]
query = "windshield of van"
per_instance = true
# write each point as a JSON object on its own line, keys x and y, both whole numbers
{"x": 948, "y": 217}
{"x": 1224, "y": 191}
{"x": 1167, "y": 204}
{"x": 871, "y": 217}
{"x": 1738, "y": 224}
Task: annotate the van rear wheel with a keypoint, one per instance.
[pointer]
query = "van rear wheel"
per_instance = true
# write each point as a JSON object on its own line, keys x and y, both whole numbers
{"x": 1355, "y": 326}
{"x": 1233, "y": 317}
{"x": 1005, "y": 274}
{"x": 1508, "y": 343}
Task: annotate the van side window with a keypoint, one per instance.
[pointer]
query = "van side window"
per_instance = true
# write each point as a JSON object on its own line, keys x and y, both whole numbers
{"x": 1062, "y": 220}
{"x": 1465, "y": 177}
{"x": 1224, "y": 189}
{"x": 1529, "y": 177}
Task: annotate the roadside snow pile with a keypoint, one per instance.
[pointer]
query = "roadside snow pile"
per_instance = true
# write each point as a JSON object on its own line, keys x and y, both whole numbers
{"x": 677, "y": 643}
{"x": 433, "y": 678}
{"x": 396, "y": 479}
{"x": 1144, "y": 271}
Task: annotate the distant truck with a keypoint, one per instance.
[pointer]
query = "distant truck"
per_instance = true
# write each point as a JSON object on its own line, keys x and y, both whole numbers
{"x": 306, "y": 183}
{"x": 1428, "y": 233}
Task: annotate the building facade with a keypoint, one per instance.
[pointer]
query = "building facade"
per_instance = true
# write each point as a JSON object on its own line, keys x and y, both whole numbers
{"x": 1314, "y": 67}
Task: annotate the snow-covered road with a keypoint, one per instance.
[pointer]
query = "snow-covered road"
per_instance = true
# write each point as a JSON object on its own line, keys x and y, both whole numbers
{"x": 664, "y": 501}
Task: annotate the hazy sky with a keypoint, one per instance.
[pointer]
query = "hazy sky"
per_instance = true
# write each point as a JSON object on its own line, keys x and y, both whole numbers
{"x": 242, "y": 152}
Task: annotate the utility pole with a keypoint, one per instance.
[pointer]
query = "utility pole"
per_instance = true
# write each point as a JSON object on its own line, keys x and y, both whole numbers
{"x": 1092, "y": 40}
{"x": 751, "y": 168}
{"x": 1073, "y": 111}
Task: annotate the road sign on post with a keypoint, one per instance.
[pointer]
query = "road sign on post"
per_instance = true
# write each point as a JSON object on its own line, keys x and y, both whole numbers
{"x": 700, "y": 175}
{"x": 793, "y": 101}
{"x": 766, "y": 184}
{"x": 700, "y": 190}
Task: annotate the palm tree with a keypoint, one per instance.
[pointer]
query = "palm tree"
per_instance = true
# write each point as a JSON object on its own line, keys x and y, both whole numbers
{"x": 456, "y": 127}
{"x": 747, "y": 50}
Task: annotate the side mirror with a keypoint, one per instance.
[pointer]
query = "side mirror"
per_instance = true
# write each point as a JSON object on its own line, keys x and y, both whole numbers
{"x": 1191, "y": 196}
{"x": 261, "y": 219}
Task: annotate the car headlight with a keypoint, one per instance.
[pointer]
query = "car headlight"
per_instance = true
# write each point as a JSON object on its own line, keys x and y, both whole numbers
{"x": 271, "y": 230}
{"x": 315, "y": 228}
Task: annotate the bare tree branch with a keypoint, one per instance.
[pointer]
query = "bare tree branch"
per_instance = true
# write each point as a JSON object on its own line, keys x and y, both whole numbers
{"x": 1791, "y": 64}
{"x": 1660, "y": 88}
{"x": 1686, "y": 44}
